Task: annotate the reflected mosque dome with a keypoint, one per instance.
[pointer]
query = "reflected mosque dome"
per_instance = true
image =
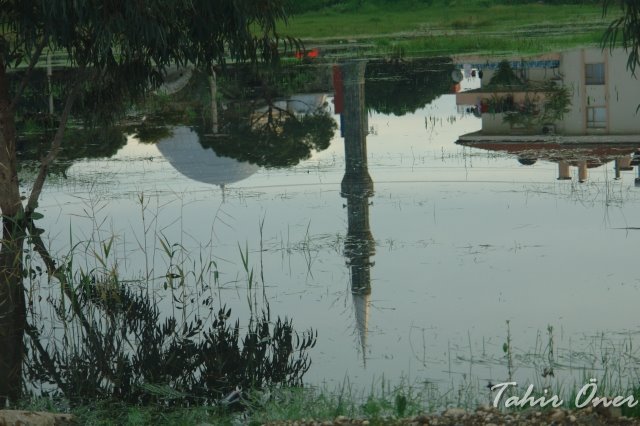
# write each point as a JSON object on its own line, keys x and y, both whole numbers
{"x": 185, "y": 153}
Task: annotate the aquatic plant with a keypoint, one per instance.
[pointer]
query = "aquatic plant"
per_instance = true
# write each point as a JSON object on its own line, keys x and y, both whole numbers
{"x": 118, "y": 345}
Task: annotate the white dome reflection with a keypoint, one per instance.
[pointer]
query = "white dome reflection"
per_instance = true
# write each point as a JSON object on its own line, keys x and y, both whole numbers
{"x": 184, "y": 152}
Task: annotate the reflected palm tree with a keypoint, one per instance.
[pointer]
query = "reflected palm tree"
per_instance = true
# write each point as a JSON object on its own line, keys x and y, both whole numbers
{"x": 357, "y": 188}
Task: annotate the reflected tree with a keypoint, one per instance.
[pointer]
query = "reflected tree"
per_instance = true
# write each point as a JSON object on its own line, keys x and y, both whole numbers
{"x": 505, "y": 76}
{"x": 120, "y": 51}
{"x": 35, "y": 126}
{"x": 259, "y": 124}
{"x": 263, "y": 120}
{"x": 87, "y": 143}
{"x": 272, "y": 136}
{"x": 399, "y": 88}
{"x": 150, "y": 133}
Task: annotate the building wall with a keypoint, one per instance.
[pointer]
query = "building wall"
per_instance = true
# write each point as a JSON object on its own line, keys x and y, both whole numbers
{"x": 619, "y": 95}
{"x": 493, "y": 124}
{"x": 624, "y": 96}
{"x": 596, "y": 109}
{"x": 572, "y": 71}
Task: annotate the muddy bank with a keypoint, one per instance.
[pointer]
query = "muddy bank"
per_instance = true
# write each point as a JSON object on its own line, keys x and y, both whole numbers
{"x": 487, "y": 416}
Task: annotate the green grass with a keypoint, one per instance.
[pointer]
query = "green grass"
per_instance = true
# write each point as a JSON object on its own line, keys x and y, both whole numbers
{"x": 115, "y": 413}
{"x": 453, "y": 26}
{"x": 380, "y": 405}
{"x": 444, "y": 27}
{"x": 492, "y": 45}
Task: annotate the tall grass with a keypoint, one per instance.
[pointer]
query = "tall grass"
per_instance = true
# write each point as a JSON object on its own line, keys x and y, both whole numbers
{"x": 158, "y": 339}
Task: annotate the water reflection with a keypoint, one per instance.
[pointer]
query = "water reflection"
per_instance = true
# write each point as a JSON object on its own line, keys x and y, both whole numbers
{"x": 581, "y": 157}
{"x": 272, "y": 127}
{"x": 464, "y": 221}
{"x": 104, "y": 339}
{"x": 402, "y": 87}
{"x": 94, "y": 336}
{"x": 185, "y": 153}
{"x": 357, "y": 188}
{"x": 575, "y": 108}
{"x": 79, "y": 144}
{"x": 116, "y": 343}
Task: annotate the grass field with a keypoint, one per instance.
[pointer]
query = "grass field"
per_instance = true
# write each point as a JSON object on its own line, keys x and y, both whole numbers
{"x": 451, "y": 27}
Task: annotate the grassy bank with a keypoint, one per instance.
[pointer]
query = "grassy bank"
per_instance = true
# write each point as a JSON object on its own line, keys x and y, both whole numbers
{"x": 383, "y": 28}
{"x": 451, "y": 27}
{"x": 381, "y": 405}
{"x": 261, "y": 407}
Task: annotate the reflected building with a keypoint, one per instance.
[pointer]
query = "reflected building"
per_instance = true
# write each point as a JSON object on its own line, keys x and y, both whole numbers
{"x": 356, "y": 188}
{"x": 576, "y": 108}
{"x": 569, "y": 157}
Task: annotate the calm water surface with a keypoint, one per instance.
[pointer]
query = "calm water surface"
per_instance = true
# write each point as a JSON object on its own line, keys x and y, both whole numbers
{"x": 413, "y": 274}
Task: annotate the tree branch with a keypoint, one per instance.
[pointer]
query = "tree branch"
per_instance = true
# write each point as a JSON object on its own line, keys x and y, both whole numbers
{"x": 25, "y": 80}
{"x": 53, "y": 152}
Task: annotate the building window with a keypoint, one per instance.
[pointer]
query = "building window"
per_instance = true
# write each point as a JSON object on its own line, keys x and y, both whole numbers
{"x": 596, "y": 117}
{"x": 594, "y": 73}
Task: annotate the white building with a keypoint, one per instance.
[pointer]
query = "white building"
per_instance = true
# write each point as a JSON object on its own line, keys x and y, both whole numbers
{"x": 604, "y": 98}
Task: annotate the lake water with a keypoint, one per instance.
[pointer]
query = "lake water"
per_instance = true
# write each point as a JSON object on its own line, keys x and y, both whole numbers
{"x": 412, "y": 274}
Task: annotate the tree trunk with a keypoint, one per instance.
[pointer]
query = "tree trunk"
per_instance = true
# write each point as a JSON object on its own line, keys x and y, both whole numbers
{"x": 10, "y": 203}
{"x": 12, "y": 311}
{"x": 12, "y": 303}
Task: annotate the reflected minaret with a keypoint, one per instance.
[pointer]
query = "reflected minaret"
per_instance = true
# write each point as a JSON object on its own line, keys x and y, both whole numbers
{"x": 356, "y": 187}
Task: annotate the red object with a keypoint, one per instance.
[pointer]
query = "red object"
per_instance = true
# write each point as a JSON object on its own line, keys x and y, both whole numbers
{"x": 313, "y": 53}
{"x": 338, "y": 89}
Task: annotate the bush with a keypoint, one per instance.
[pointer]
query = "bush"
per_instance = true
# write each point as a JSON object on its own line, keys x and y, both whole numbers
{"x": 120, "y": 347}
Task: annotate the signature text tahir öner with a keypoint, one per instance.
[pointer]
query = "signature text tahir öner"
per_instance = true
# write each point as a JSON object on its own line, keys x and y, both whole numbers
{"x": 586, "y": 396}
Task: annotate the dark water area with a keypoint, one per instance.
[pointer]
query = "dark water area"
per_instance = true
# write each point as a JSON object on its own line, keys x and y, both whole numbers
{"x": 405, "y": 226}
